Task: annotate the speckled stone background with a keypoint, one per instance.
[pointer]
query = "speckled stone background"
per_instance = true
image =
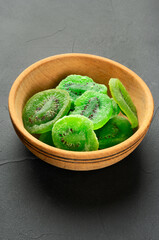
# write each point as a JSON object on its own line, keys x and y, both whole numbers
{"x": 39, "y": 201}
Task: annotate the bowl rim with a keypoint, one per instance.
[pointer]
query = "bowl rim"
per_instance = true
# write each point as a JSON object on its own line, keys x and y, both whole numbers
{"x": 69, "y": 156}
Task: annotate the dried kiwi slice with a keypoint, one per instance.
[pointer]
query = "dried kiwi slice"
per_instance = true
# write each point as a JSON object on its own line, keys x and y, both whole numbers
{"x": 117, "y": 130}
{"x": 44, "y": 108}
{"x": 46, "y": 138}
{"x": 116, "y": 109}
{"x": 76, "y": 85}
{"x": 123, "y": 99}
{"x": 74, "y": 133}
{"x": 96, "y": 106}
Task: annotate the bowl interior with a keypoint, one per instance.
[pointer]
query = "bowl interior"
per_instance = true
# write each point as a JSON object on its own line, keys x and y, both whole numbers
{"x": 49, "y": 72}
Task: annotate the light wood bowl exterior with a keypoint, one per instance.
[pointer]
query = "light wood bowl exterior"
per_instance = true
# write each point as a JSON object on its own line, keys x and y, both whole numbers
{"x": 47, "y": 73}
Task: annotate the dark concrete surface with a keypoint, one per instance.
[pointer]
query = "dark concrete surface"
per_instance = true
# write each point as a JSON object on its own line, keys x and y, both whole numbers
{"x": 39, "y": 201}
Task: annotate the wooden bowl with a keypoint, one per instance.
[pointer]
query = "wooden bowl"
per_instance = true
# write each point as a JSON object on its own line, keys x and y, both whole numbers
{"x": 47, "y": 73}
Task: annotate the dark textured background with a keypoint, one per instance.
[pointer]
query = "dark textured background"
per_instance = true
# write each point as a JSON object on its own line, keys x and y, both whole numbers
{"x": 39, "y": 201}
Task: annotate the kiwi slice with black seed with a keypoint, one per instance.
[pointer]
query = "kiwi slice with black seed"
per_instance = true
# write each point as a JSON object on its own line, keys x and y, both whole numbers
{"x": 44, "y": 108}
{"x": 117, "y": 130}
{"x": 74, "y": 133}
{"x": 95, "y": 106}
{"x": 76, "y": 85}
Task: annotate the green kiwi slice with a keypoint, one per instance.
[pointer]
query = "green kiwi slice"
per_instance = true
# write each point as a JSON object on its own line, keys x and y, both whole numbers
{"x": 116, "y": 109}
{"x": 76, "y": 85}
{"x": 46, "y": 138}
{"x": 123, "y": 99}
{"x": 74, "y": 133}
{"x": 117, "y": 130}
{"x": 44, "y": 108}
{"x": 94, "y": 105}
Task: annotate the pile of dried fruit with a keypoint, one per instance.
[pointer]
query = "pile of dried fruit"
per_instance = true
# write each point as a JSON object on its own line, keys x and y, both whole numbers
{"x": 79, "y": 115}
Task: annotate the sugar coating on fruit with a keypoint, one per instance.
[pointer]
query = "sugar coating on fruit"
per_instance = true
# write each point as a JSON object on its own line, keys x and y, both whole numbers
{"x": 123, "y": 99}
{"x": 89, "y": 108}
{"x": 74, "y": 133}
{"x": 116, "y": 109}
{"x": 117, "y": 130}
{"x": 95, "y": 106}
{"x": 76, "y": 85}
{"x": 44, "y": 108}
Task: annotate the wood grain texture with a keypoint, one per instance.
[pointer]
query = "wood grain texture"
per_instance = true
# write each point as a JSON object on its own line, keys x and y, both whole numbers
{"x": 46, "y": 74}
